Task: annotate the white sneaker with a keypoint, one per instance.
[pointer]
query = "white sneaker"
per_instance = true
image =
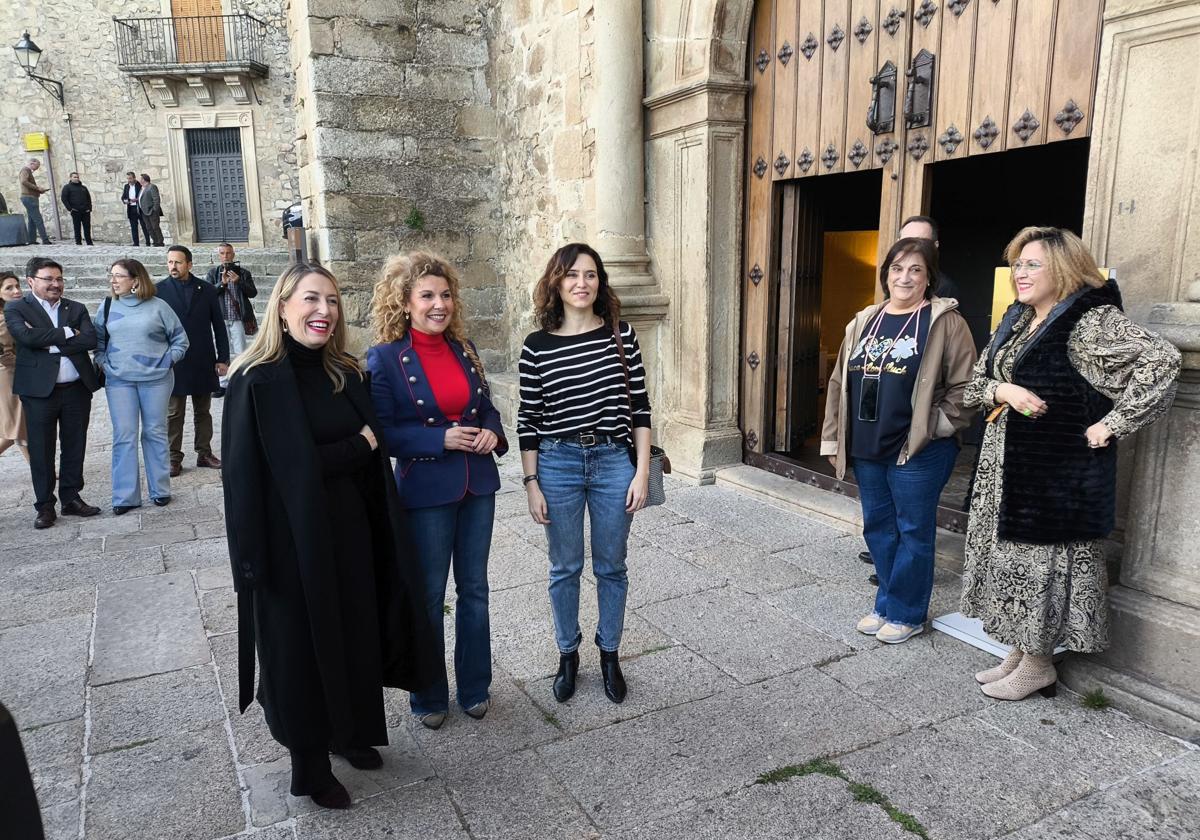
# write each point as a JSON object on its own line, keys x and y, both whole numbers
{"x": 871, "y": 624}
{"x": 893, "y": 633}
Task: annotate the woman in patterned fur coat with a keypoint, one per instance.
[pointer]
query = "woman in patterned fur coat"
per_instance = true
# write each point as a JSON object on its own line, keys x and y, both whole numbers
{"x": 1066, "y": 374}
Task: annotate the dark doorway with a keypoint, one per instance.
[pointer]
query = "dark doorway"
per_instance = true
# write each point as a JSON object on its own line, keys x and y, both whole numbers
{"x": 218, "y": 184}
{"x": 982, "y": 201}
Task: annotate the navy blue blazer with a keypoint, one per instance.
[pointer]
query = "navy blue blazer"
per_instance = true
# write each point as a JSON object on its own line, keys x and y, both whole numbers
{"x": 414, "y": 428}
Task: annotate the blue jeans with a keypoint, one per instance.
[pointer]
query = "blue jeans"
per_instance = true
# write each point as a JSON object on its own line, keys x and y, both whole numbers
{"x": 899, "y": 504}
{"x": 572, "y": 476}
{"x": 130, "y": 403}
{"x": 36, "y": 223}
{"x": 458, "y": 533}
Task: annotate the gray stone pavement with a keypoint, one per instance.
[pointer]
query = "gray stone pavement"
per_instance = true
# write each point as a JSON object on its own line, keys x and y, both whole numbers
{"x": 117, "y": 659}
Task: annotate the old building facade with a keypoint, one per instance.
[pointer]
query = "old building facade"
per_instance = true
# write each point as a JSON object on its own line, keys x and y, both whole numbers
{"x": 197, "y": 94}
{"x": 741, "y": 165}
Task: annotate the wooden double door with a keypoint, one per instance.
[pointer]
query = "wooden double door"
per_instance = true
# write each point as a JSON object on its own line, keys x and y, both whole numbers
{"x": 854, "y": 104}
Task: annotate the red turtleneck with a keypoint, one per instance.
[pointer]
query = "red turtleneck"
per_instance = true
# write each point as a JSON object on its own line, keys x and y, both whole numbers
{"x": 450, "y": 386}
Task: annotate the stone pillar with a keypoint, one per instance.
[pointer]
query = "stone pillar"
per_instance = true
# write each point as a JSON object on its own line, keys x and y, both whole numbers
{"x": 620, "y": 160}
{"x": 1153, "y": 665}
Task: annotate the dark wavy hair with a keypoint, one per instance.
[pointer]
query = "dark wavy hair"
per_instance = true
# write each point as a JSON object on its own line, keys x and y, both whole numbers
{"x": 547, "y": 303}
{"x": 912, "y": 245}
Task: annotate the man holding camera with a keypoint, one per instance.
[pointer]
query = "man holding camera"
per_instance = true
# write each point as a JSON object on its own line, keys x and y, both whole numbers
{"x": 235, "y": 290}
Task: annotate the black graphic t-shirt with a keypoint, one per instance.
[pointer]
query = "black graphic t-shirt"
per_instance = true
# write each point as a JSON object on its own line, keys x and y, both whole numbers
{"x": 893, "y": 353}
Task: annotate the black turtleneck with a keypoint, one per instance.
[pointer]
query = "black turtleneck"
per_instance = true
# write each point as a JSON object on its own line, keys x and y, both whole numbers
{"x": 333, "y": 419}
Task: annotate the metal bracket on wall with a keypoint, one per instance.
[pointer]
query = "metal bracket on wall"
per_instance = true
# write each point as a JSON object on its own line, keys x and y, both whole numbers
{"x": 146, "y": 93}
{"x": 918, "y": 99}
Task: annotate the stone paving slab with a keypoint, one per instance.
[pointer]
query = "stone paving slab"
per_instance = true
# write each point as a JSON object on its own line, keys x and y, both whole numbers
{"x": 182, "y": 787}
{"x": 81, "y": 568}
{"x": 757, "y": 523}
{"x": 159, "y": 706}
{"x": 219, "y": 610}
{"x": 719, "y": 624}
{"x": 199, "y": 554}
{"x": 147, "y": 626}
{"x": 55, "y": 753}
{"x": 633, "y": 771}
{"x": 966, "y": 779}
{"x": 417, "y": 811}
{"x": 61, "y": 822}
{"x": 926, "y": 680}
{"x": 814, "y": 806}
{"x": 252, "y": 740}
{"x": 44, "y": 664}
{"x": 515, "y": 798}
{"x": 32, "y": 609}
{"x": 1162, "y": 802}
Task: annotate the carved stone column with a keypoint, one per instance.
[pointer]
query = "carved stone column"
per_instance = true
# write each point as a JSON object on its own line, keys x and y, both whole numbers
{"x": 620, "y": 161}
{"x": 1153, "y": 665}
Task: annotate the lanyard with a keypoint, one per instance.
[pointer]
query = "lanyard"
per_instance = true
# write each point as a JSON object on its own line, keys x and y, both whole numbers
{"x": 869, "y": 359}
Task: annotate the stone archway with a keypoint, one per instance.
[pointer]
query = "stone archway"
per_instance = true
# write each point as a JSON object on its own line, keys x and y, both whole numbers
{"x": 696, "y": 83}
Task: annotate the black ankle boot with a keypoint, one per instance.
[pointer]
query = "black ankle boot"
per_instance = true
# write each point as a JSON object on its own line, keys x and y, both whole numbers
{"x": 614, "y": 680}
{"x": 564, "y": 680}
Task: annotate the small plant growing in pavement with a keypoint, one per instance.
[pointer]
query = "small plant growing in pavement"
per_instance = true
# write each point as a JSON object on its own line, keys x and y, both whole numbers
{"x": 1096, "y": 699}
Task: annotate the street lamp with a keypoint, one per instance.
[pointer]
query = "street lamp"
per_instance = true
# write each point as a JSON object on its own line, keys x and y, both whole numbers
{"x": 28, "y": 55}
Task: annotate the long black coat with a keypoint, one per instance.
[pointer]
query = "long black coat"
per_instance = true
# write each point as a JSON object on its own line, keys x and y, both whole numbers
{"x": 197, "y": 305}
{"x": 277, "y": 524}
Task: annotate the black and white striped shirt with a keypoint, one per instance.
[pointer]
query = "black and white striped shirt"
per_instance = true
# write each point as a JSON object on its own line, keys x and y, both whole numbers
{"x": 574, "y": 384}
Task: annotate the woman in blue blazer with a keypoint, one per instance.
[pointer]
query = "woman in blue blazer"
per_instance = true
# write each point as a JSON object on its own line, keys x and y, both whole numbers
{"x": 431, "y": 396}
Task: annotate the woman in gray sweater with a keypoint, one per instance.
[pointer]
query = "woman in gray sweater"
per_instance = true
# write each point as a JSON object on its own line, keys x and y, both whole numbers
{"x": 139, "y": 341}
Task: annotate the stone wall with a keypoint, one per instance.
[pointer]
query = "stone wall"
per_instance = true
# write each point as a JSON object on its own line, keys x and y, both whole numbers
{"x": 115, "y": 129}
{"x": 544, "y": 88}
{"x": 398, "y": 145}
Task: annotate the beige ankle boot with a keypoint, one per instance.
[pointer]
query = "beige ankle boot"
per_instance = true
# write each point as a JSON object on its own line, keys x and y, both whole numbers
{"x": 1002, "y": 670}
{"x": 1033, "y": 673}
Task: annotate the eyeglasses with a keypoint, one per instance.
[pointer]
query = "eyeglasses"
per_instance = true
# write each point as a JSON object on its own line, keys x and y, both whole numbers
{"x": 112, "y": 276}
{"x": 1031, "y": 267}
{"x": 48, "y": 279}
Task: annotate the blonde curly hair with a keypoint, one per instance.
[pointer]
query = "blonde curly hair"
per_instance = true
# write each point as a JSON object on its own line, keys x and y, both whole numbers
{"x": 393, "y": 290}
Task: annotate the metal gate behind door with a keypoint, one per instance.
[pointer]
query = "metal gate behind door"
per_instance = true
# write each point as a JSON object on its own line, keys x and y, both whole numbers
{"x": 218, "y": 184}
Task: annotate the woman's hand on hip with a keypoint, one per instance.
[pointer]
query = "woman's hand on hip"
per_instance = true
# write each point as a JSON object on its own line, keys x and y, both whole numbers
{"x": 366, "y": 432}
{"x": 537, "y": 503}
{"x": 1021, "y": 399}
{"x": 639, "y": 489}
{"x": 485, "y": 442}
{"x": 1098, "y": 435}
{"x": 461, "y": 438}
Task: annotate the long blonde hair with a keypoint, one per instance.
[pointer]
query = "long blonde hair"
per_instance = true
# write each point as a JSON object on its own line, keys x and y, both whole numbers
{"x": 268, "y": 346}
{"x": 394, "y": 289}
{"x": 1068, "y": 262}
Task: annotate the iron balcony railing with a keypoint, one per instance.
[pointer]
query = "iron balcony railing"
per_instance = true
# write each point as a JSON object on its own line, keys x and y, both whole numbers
{"x": 219, "y": 43}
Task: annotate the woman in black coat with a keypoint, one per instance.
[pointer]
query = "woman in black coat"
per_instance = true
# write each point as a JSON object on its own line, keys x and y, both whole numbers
{"x": 328, "y": 590}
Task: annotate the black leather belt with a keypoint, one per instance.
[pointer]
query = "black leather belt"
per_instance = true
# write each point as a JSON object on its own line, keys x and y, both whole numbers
{"x": 587, "y": 439}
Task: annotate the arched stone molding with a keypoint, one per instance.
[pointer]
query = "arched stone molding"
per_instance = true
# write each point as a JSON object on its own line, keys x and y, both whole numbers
{"x": 695, "y": 145}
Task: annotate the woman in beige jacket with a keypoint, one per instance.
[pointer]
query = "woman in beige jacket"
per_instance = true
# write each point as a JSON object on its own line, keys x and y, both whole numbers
{"x": 12, "y": 414}
{"x": 894, "y": 412}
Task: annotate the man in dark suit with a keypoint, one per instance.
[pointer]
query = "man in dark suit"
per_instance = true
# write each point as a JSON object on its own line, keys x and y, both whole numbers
{"x": 198, "y": 307}
{"x": 55, "y": 379}
{"x": 77, "y": 199}
{"x": 129, "y": 197}
{"x": 150, "y": 207}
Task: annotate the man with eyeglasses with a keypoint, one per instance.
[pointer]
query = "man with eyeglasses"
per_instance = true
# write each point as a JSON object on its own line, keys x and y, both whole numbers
{"x": 55, "y": 379}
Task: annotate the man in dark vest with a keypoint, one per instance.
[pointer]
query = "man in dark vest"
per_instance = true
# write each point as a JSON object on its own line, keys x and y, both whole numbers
{"x": 77, "y": 199}
{"x": 198, "y": 307}
{"x": 55, "y": 379}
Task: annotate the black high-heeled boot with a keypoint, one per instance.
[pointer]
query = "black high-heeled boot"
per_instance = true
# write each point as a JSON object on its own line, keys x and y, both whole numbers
{"x": 564, "y": 680}
{"x": 614, "y": 680}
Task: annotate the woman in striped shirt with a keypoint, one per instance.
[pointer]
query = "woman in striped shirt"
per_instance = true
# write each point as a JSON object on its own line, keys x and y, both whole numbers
{"x": 584, "y": 427}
